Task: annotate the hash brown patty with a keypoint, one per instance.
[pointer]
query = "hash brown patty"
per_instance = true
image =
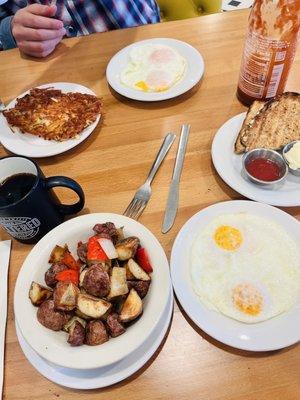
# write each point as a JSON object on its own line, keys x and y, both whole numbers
{"x": 53, "y": 115}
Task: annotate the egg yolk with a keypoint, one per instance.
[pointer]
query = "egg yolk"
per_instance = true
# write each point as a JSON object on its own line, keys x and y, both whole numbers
{"x": 228, "y": 238}
{"x": 142, "y": 85}
{"x": 247, "y": 299}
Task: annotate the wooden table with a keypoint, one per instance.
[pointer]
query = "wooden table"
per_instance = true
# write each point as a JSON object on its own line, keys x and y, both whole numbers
{"x": 112, "y": 163}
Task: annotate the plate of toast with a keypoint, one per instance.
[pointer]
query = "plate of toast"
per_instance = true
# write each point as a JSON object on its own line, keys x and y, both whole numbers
{"x": 270, "y": 125}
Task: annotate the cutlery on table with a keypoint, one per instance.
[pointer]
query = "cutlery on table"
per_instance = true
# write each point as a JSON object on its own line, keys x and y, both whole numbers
{"x": 4, "y": 263}
{"x": 172, "y": 203}
{"x": 143, "y": 194}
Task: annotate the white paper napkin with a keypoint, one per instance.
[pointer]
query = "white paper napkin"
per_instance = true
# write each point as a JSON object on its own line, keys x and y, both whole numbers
{"x": 4, "y": 263}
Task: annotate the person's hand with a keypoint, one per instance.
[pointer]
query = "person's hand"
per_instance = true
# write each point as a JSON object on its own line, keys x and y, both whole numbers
{"x": 35, "y": 31}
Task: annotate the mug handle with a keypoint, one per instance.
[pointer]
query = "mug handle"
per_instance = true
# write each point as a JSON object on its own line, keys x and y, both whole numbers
{"x": 69, "y": 183}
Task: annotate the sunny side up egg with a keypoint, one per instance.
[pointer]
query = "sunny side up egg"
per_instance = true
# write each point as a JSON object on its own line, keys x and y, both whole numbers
{"x": 153, "y": 68}
{"x": 245, "y": 267}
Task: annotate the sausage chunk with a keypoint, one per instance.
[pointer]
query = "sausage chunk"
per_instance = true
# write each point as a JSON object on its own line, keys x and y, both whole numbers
{"x": 141, "y": 287}
{"x": 52, "y": 272}
{"x": 50, "y": 318}
{"x": 95, "y": 333}
{"x": 107, "y": 230}
{"x": 115, "y": 328}
{"x": 96, "y": 281}
{"x": 65, "y": 296}
{"x": 76, "y": 334}
{"x": 82, "y": 251}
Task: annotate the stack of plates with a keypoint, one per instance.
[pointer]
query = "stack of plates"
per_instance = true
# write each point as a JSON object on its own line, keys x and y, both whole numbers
{"x": 90, "y": 367}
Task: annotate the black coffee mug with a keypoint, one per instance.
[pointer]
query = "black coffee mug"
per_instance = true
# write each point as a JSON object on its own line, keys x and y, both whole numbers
{"x": 29, "y": 218}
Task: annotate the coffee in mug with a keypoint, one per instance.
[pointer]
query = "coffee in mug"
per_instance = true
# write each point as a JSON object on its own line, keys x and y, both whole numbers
{"x": 29, "y": 207}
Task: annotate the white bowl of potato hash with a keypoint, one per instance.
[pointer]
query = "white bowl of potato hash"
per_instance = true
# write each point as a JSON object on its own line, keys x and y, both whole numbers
{"x": 82, "y": 309}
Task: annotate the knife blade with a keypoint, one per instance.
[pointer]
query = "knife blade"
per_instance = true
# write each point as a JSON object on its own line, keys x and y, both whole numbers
{"x": 173, "y": 197}
{"x": 4, "y": 263}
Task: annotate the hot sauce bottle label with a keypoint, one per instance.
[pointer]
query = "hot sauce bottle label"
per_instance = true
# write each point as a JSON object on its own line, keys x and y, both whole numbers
{"x": 263, "y": 65}
{"x": 270, "y": 47}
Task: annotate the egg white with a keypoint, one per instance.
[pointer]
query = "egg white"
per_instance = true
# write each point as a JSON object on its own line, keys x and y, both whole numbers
{"x": 158, "y": 73}
{"x": 267, "y": 260}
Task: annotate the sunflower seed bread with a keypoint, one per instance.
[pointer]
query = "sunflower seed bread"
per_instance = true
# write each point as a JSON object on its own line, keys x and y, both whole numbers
{"x": 270, "y": 125}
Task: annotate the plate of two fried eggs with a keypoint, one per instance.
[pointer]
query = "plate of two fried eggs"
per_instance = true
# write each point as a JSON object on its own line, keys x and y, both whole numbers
{"x": 155, "y": 69}
{"x": 235, "y": 268}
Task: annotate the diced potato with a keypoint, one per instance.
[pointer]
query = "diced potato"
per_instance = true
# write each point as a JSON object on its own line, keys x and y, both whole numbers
{"x": 129, "y": 275}
{"x": 118, "y": 282}
{"x": 82, "y": 267}
{"x": 127, "y": 248}
{"x": 81, "y": 315}
{"x": 120, "y": 232}
{"x": 132, "y": 307}
{"x": 72, "y": 320}
{"x": 81, "y": 276}
{"x": 57, "y": 254}
{"x": 92, "y": 306}
{"x": 65, "y": 296}
{"x": 137, "y": 271}
{"x": 39, "y": 293}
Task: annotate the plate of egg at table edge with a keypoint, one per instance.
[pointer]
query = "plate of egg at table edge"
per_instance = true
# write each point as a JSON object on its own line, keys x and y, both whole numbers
{"x": 229, "y": 167}
{"x": 275, "y": 333}
{"x": 193, "y": 71}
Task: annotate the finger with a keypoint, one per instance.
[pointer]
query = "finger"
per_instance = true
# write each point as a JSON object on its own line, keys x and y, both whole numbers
{"x": 38, "y": 49}
{"x": 38, "y": 22}
{"x": 29, "y": 34}
{"x": 42, "y": 10}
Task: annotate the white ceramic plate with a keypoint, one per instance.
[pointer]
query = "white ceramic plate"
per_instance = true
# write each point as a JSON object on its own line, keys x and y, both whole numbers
{"x": 275, "y": 333}
{"x": 53, "y": 345}
{"x": 25, "y": 144}
{"x": 229, "y": 167}
{"x": 193, "y": 73}
{"x": 102, "y": 377}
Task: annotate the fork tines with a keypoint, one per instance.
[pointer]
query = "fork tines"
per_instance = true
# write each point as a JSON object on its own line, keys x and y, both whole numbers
{"x": 135, "y": 208}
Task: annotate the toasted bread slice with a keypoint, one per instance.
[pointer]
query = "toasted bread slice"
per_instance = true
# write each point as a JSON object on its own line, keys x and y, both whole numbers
{"x": 254, "y": 109}
{"x": 277, "y": 124}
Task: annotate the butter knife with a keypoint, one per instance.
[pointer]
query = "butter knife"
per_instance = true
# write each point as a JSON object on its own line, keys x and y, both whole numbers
{"x": 4, "y": 263}
{"x": 172, "y": 203}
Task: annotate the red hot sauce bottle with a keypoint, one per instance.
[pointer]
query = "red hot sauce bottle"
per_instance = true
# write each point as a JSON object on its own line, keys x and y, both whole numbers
{"x": 269, "y": 50}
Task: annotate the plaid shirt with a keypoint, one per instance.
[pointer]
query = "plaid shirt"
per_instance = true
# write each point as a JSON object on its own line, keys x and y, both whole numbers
{"x": 82, "y": 17}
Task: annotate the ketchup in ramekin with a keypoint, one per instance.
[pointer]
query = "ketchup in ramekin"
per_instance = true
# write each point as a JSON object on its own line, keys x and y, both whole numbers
{"x": 264, "y": 169}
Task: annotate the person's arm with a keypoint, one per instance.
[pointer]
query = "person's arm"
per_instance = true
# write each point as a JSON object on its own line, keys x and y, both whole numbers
{"x": 7, "y": 40}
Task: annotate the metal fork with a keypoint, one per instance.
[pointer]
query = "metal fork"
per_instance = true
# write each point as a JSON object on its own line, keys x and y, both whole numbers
{"x": 143, "y": 194}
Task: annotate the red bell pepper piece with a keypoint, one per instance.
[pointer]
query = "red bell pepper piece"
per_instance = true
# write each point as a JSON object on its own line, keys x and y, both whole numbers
{"x": 143, "y": 259}
{"x": 68, "y": 275}
{"x": 95, "y": 251}
{"x": 70, "y": 261}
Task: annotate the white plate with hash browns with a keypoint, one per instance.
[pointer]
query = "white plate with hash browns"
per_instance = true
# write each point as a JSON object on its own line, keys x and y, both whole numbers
{"x": 29, "y": 145}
